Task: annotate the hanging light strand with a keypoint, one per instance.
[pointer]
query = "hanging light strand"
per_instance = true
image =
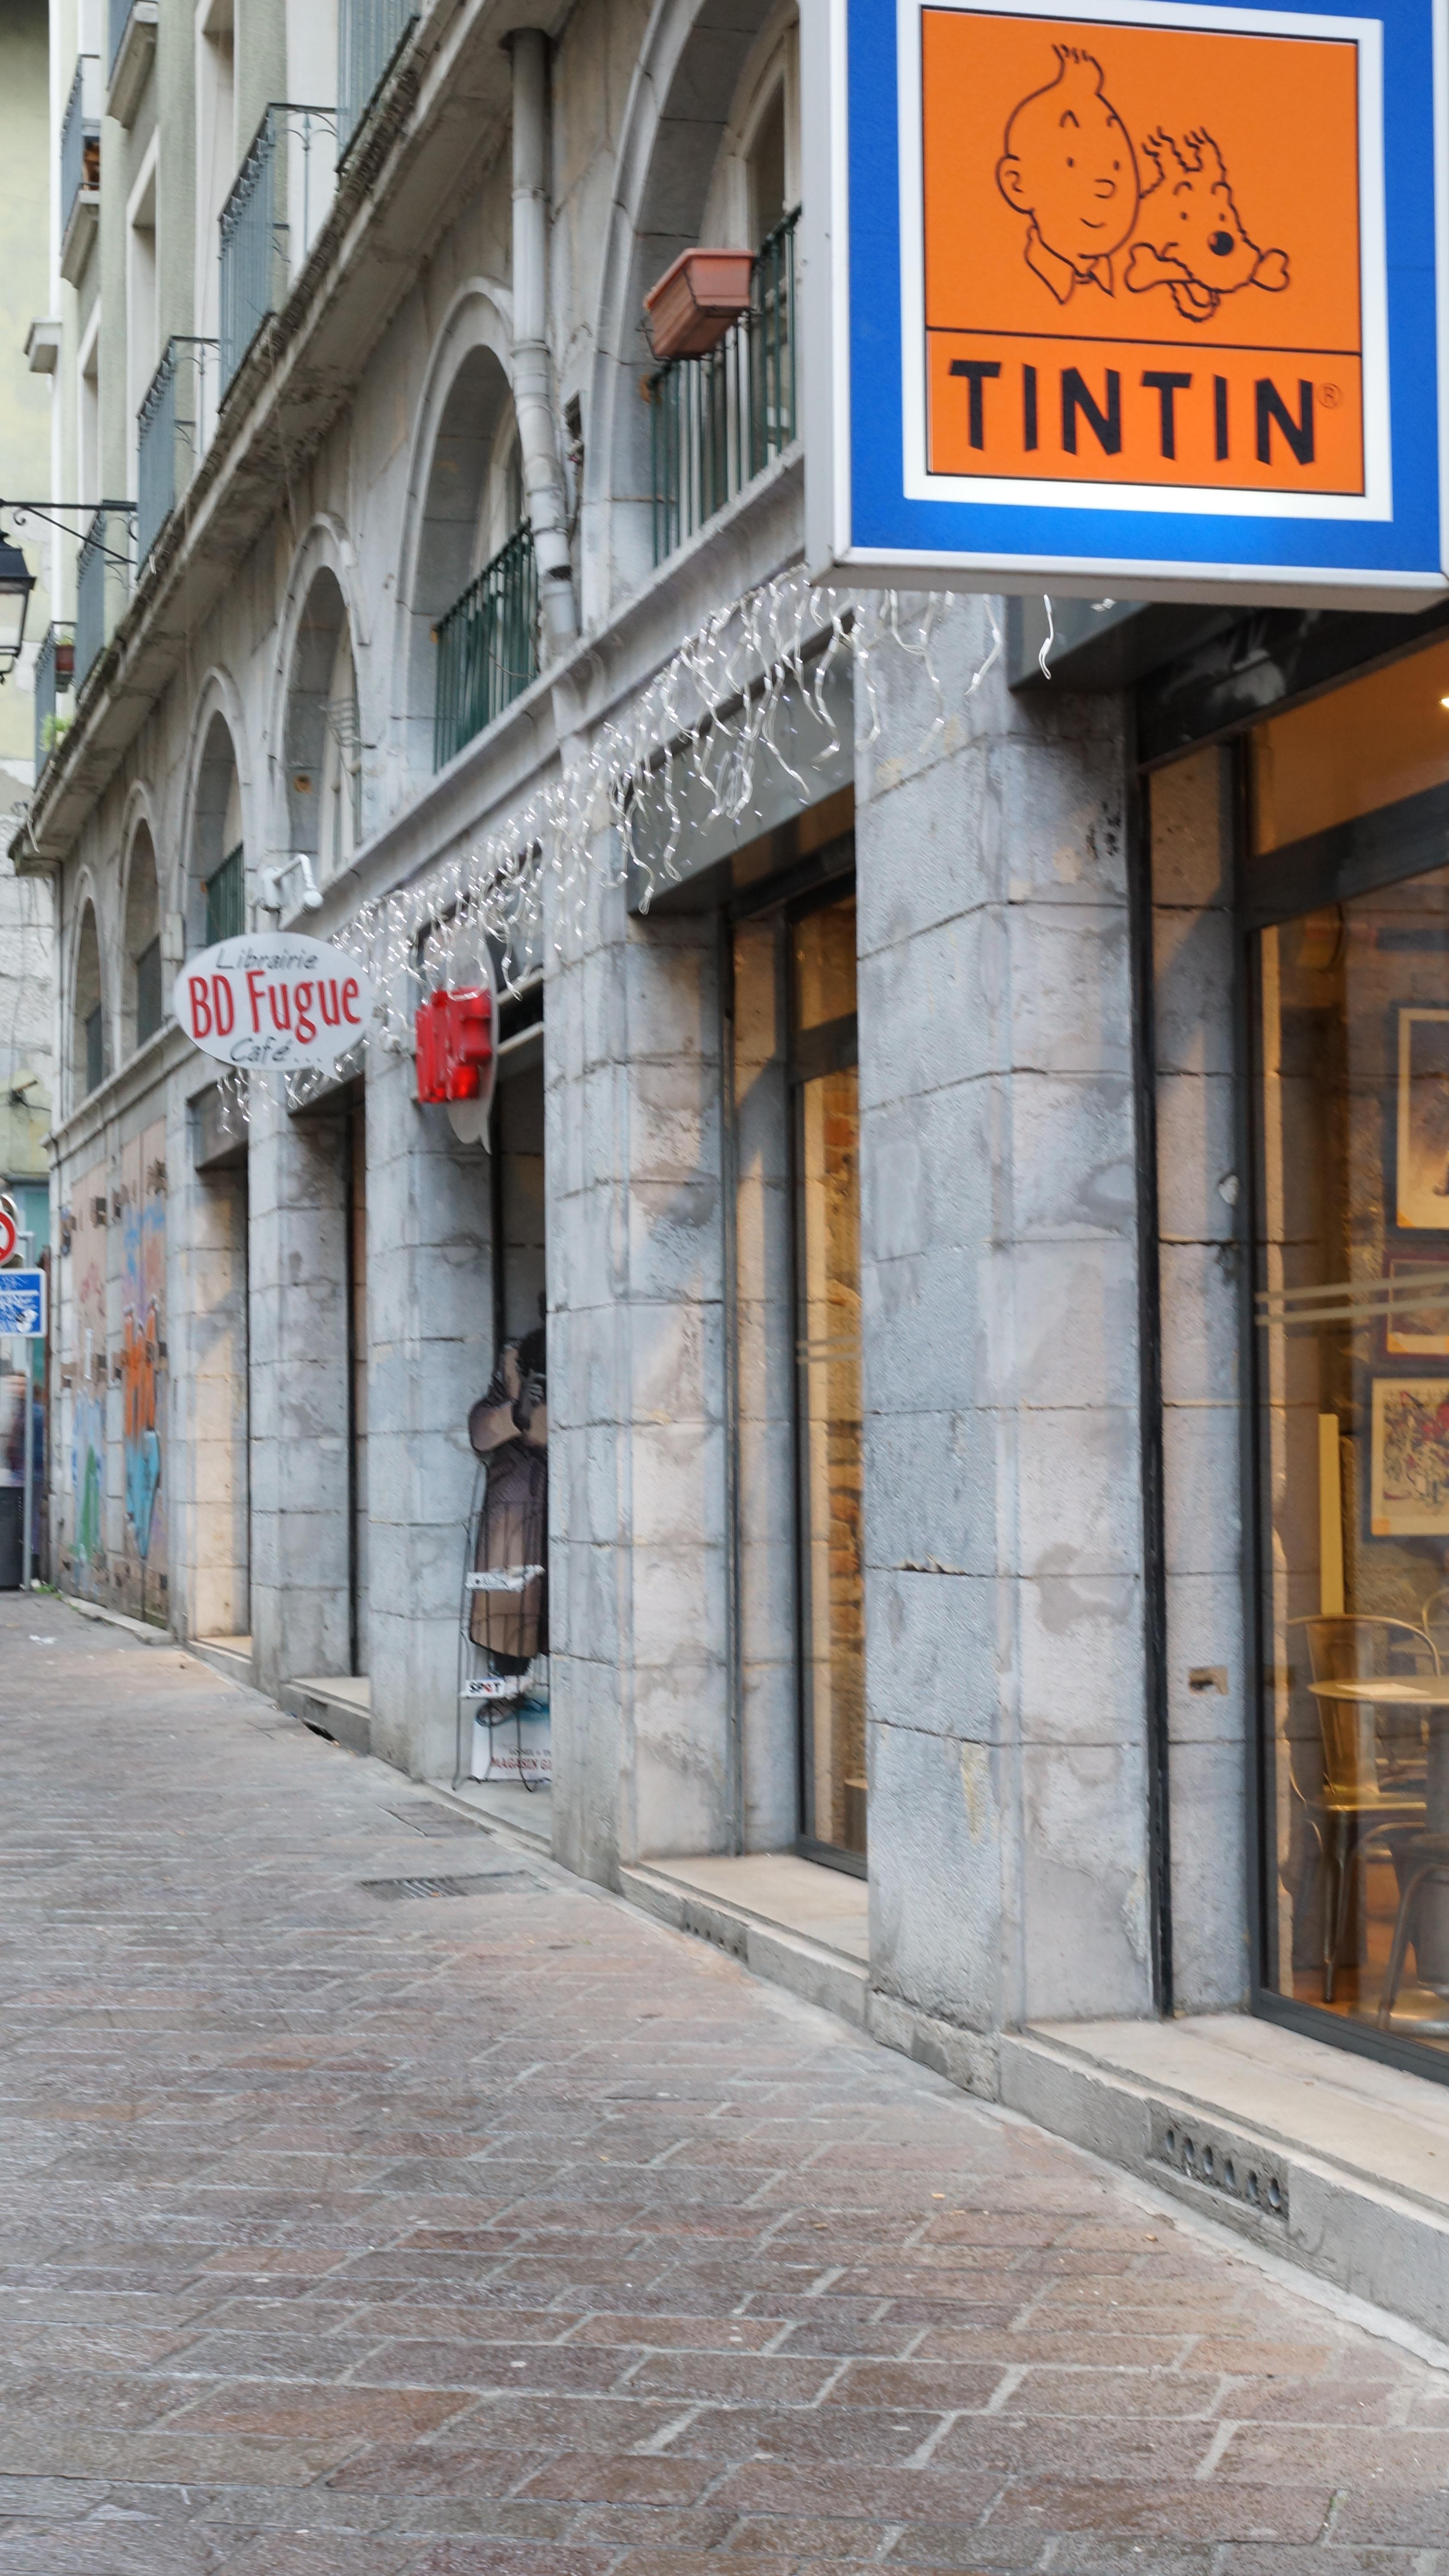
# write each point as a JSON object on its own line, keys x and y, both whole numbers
{"x": 688, "y": 753}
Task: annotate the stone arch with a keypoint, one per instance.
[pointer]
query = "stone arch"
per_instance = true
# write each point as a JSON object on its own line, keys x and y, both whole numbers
{"x": 142, "y": 997}
{"x": 684, "y": 91}
{"x": 463, "y": 421}
{"x": 320, "y": 734}
{"x": 89, "y": 1018}
{"x": 217, "y": 805}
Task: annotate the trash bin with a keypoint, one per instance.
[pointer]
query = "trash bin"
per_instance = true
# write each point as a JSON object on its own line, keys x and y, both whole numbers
{"x": 12, "y": 1536}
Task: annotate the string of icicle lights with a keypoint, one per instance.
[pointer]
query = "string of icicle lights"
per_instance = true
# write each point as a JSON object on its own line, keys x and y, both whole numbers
{"x": 686, "y": 755}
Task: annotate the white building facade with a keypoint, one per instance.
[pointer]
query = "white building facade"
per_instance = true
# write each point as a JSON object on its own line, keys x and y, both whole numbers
{"x": 885, "y": 1173}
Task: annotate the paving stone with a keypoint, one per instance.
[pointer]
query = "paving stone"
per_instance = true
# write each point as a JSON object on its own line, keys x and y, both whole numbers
{"x": 524, "y": 2238}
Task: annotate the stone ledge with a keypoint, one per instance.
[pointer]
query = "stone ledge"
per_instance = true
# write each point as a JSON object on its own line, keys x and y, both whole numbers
{"x": 1345, "y": 2175}
{"x": 339, "y": 1704}
{"x": 143, "y": 1629}
{"x": 807, "y": 1968}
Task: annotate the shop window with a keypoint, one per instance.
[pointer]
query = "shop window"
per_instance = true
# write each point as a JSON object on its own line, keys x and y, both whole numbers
{"x": 795, "y": 1365}
{"x": 1349, "y": 938}
{"x": 826, "y": 1141}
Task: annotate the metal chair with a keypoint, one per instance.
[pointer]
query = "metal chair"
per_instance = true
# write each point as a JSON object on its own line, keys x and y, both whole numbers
{"x": 1373, "y": 1773}
{"x": 1424, "y": 1858}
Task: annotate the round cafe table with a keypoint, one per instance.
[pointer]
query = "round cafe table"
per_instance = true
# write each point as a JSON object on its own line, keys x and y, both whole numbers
{"x": 1430, "y": 1693}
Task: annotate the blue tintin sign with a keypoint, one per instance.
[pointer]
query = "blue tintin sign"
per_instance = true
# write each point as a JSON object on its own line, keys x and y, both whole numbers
{"x": 22, "y": 1304}
{"x": 1147, "y": 295}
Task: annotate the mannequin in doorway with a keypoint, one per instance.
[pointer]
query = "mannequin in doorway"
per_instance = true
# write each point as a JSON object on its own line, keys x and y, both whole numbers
{"x": 508, "y": 1429}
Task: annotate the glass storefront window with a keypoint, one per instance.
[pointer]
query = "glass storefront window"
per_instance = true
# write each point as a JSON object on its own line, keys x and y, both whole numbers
{"x": 828, "y": 1397}
{"x": 1351, "y": 1326}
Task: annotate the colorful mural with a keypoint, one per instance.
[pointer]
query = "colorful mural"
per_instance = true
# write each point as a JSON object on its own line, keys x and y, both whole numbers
{"x": 85, "y": 1373}
{"x": 114, "y": 1535}
{"x": 141, "y": 1574}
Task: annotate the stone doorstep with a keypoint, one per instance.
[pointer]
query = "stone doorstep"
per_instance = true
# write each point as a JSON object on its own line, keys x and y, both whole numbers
{"x": 788, "y": 1956}
{"x": 229, "y": 1656}
{"x": 501, "y": 1809}
{"x": 339, "y": 1703}
{"x": 1331, "y": 2161}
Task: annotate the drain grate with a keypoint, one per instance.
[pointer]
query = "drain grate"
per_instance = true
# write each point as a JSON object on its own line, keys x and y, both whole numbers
{"x": 488, "y": 1883}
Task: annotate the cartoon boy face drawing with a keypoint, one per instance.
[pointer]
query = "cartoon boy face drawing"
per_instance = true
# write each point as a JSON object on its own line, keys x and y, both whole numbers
{"x": 1069, "y": 167}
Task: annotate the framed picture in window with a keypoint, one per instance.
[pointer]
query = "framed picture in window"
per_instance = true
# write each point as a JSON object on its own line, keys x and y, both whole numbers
{"x": 1409, "y": 1458}
{"x": 1422, "y": 1114}
{"x": 1416, "y": 1326}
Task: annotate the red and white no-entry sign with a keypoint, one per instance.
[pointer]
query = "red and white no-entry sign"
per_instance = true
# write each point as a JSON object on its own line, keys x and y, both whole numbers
{"x": 9, "y": 1232}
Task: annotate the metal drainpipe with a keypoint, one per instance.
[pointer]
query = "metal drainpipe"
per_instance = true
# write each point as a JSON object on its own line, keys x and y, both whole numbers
{"x": 532, "y": 391}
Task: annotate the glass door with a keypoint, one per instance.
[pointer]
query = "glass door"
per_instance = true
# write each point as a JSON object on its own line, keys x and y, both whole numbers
{"x": 1349, "y": 916}
{"x": 829, "y": 1475}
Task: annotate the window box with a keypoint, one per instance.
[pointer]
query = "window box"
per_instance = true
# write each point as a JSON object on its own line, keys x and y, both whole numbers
{"x": 690, "y": 309}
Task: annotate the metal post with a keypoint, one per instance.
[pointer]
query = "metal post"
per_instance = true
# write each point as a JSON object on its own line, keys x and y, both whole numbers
{"x": 28, "y": 1501}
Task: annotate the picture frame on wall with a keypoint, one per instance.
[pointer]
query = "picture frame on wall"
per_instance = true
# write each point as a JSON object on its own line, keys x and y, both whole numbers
{"x": 1422, "y": 1120}
{"x": 1409, "y": 1458}
{"x": 1417, "y": 1322}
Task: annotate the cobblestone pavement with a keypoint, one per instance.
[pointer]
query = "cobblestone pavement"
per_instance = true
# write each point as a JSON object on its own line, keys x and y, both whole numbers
{"x": 355, "y": 2235}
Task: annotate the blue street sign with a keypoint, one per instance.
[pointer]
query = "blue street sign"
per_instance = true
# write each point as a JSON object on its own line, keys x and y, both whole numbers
{"x": 1135, "y": 297}
{"x": 22, "y": 1304}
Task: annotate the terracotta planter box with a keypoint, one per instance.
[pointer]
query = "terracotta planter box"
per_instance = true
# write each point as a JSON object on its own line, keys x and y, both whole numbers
{"x": 696, "y": 300}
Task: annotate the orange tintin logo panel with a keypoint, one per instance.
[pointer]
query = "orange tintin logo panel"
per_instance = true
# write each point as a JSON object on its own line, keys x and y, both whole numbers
{"x": 1141, "y": 254}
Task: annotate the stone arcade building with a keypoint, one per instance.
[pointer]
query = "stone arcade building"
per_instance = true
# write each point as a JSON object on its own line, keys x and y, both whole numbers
{"x": 895, "y": 1185}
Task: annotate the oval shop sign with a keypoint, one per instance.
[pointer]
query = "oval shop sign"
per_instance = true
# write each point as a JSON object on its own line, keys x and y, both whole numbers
{"x": 273, "y": 998}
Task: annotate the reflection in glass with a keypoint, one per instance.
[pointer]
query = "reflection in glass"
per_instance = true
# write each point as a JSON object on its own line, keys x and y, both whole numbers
{"x": 1352, "y": 1328}
{"x": 829, "y": 1414}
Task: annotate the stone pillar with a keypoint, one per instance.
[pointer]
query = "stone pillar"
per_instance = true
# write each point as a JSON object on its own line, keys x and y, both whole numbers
{"x": 430, "y": 1331}
{"x": 641, "y": 1723}
{"x": 1006, "y": 1682}
{"x": 300, "y": 1535}
{"x": 1202, "y": 1457}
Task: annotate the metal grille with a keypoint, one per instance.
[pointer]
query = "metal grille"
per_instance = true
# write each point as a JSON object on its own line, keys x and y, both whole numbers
{"x": 487, "y": 1883}
{"x": 53, "y": 666}
{"x": 173, "y": 426}
{"x": 719, "y": 420}
{"x": 120, "y": 20}
{"x": 370, "y": 33}
{"x": 80, "y": 138}
{"x": 148, "y": 991}
{"x": 487, "y": 647}
{"x": 102, "y": 581}
{"x": 269, "y": 220}
{"x": 226, "y": 899}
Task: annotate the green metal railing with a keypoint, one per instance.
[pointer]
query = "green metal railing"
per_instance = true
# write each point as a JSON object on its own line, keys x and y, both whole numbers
{"x": 270, "y": 220}
{"x": 370, "y": 36}
{"x": 487, "y": 647}
{"x": 226, "y": 900}
{"x": 719, "y": 420}
{"x": 54, "y": 669}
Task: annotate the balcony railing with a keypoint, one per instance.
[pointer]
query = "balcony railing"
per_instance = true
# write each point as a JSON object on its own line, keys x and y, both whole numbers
{"x": 174, "y": 427}
{"x": 370, "y": 34}
{"x": 132, "y": 27}
{"x": 54, "y": 671}
{"x": 487, "y": 647}
{"x": 271, "y": 219}
{"x": 80, "y": 147}
{"x": 719, "y": 420}
{"x": 226, "y": 899}
{"x": 102, "y": 582}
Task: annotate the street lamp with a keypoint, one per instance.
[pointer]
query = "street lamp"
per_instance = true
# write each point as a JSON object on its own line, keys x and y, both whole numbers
{"x": 16, "y": 585}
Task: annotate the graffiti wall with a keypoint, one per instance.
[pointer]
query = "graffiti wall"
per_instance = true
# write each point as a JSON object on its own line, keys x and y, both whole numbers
{"x": 85, "y": 1374}
{"x": 113, "y": 1374}
{"x": 141, "y": 1584}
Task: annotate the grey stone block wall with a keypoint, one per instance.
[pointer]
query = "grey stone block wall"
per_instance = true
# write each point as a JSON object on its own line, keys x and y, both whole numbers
{"x": 1202, "y": 1429}
{"x": 638, "y": 1669}
{"x": 1008, "y": 1809}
